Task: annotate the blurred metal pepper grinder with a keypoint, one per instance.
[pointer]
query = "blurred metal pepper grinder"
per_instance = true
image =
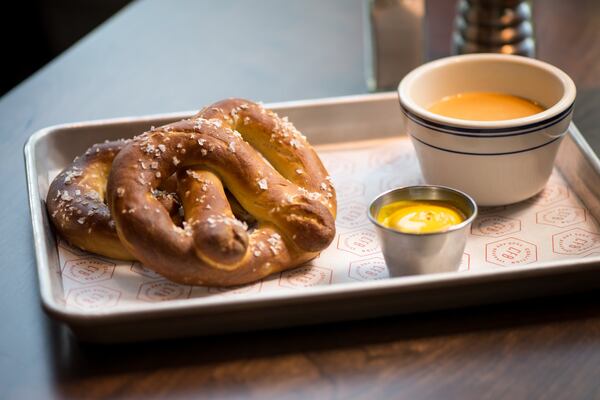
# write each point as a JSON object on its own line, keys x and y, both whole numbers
{"x": 397, "y": 30}
{"x": 493, "y": 26}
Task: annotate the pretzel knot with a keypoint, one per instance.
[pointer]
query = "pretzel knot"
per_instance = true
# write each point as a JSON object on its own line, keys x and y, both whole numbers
{"x": 76, "y": 202}
{"x": 266, "y": 164}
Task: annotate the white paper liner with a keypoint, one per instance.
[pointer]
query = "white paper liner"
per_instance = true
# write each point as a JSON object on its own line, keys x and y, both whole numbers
{"x": 552, "y": 226}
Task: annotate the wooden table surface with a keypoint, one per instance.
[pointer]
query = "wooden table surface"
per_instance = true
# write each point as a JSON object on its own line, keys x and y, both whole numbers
{"x": 155, "y": 57}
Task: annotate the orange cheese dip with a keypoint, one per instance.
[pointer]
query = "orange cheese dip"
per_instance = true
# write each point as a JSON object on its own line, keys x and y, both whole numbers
{"x": 485, "y": 106}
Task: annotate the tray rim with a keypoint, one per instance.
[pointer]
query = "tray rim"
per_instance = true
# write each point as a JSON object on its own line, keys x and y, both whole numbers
{"x": 219, "y": 304}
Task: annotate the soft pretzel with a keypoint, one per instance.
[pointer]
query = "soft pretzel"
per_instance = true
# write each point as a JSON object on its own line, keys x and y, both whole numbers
{"x": 283, "y": 185}
{"x": 76, "y": 202}
{"x": 76, "y": 205}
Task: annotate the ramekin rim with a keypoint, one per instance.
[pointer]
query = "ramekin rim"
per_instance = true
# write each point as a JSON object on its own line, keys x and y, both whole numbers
{"x": 468, "y": 220}
{"x": 561, "y": 105}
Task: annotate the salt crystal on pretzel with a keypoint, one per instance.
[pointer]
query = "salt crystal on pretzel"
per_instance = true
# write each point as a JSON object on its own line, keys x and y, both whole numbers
{"x": 224, "y": 145}
{"x": 76, "y": 202}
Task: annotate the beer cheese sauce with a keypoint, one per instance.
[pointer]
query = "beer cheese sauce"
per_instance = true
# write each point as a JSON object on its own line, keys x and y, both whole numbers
{"x": 485, "y": 106}
{"x": 419, "y": 216}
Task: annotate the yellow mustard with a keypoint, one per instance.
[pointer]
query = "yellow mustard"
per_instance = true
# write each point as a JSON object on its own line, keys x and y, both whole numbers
{"x": 419, "y": 216}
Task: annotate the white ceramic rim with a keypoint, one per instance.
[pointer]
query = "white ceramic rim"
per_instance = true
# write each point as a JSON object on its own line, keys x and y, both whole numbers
{"x": 563, "y": 104}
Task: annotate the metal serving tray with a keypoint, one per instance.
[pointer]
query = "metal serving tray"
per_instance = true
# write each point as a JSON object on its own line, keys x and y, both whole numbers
{"x": 335, "y": 122}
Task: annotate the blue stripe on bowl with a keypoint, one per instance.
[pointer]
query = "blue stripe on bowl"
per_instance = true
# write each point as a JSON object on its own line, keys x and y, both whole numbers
{"x": 487, "y": 133}
{"x": 485, "y": 154}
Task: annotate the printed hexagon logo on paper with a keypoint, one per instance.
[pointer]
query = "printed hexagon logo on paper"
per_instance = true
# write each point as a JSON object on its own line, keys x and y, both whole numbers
{"x": 306, "y": 276}
{"x": 490, "y": 210}
{"x": 89, "y": 270}
{"x": 369, "y": 269}
{"x": 139, "y": 269}
{"x": 249, "y": 288}
{"x": 163, "y": 290}
{"x": 510, "y": 251}
{"x": 495, "y": 226}
{"x": 561, "y": 216}
{"x": 349, "y": 189}
{"x": 352, "y": 215}
{"x": 575, "y": 241}
{"x": 93, "y": 297}
{"x": 363, "y": 242}
{"x": 552, "y": 193}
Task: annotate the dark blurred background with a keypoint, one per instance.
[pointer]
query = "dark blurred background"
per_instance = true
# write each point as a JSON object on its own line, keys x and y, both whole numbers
{"x": 33, "y": 32}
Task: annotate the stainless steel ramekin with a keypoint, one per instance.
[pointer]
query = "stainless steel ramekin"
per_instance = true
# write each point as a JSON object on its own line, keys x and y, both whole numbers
{"x": 424, "y": 253}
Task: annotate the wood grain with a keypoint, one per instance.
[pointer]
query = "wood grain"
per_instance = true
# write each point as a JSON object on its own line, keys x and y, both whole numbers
{"x": 156, "y": 58}
{"x": 519, "y": 350}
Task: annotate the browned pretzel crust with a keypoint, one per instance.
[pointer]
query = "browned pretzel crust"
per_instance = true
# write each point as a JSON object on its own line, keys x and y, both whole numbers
{"x": 76, "y": 202}
{"x": 289, "y": 194}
